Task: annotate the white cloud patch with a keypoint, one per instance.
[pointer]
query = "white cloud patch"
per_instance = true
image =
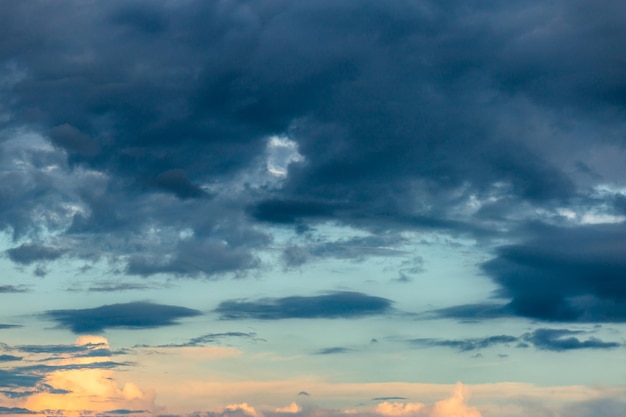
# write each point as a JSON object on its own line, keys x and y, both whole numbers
{"x": 281, "y": 152}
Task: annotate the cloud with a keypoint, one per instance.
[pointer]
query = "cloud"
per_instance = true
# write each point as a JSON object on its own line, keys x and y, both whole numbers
{"x": 565, "y": 274}
{"x": 333, "y": 305}
{"x": 73, "y": 381}
{"x": 73, "y": 140}
{"x": 9, "y": 289}
{"x": 398, "y": 409}
{"x": 9, "y": 326}
{"x": 603, "y": 407}
{"x": 466, "y": 345}
{"x": 122, "y": 142}
{"x": 193, "y": 257}
{"x": 9, "y": 358}
{"x": 333, "y": 350}
{"x": 455, "y": 405}
{"x": 136, "y": 315}
{"x": 214, "y": 338}
{"x": 119, "y": 286}
{"x": 18, "y": 378}
{"x": 388, "y": 398}
{"x": 15, "y": 410}
{"x": 289, "y": 409}
{"x": 559, "y": 340}
{"x": 176, "y": 182}
{"x": 26, "y": 254}
{"x": 543, "y": 339}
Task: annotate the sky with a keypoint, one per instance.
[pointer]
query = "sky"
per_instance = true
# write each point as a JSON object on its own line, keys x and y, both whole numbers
{"x": 312, "y": 208}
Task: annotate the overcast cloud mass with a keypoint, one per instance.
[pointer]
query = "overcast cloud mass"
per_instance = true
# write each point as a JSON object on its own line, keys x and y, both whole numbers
{"x": 317, "y": 193}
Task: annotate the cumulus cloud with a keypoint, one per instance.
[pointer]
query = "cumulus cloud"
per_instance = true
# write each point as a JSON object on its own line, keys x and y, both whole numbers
{"x": 289, "y": 409}
{"x": 396, "y": 409}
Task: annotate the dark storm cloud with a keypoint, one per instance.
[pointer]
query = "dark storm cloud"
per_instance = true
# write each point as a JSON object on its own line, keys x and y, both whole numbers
{"x": 559, "y": 340}
{"x": 176, "y": 182}
{"x": 26, "y": 254}
{"x": 291, "y": 211}
{"x": 564, "y": 274}
{"x": 449, "y": 117}
{"x": 9, "y": 326}
{"x": 136, "y": 315}
{"x": 9, "y": 358}
{"x": 465, "y": 345}
{"x": 73, "y": 140}
{"x": 330, "y": 306}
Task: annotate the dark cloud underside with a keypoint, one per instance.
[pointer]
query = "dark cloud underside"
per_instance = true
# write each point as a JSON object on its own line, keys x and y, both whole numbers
{"x": 573, "y": 274}
{"x": 156, "y": 116}
{"x": 135, "y": 315}
{"x": 334, "y": 305}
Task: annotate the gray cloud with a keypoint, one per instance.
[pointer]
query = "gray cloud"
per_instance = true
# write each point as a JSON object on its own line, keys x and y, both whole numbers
{"x": 136, "y": 315}
{"x": 333, "y": 350}
{"x": 559, "y": 340}
{"x": 138, "y": 133}
{"x": 15, "y": 410}
{"x": 567, "y": 274}
{"x": 18, "y": 378}
{"x": 556, "y": 340}
{"x": 73, "y": 140}
{"x": 466, "y": 345}
{"x": 603, "y": 407}
{"x": 176, "y": 182}
{"x": 121, "y": 286}
{"x": 9, "y": 289}
{"x": 334, "y": 305}
{"x": 26, "y": 254}
{"x": 389, "y": 399}
{"x": 9, "y": 358}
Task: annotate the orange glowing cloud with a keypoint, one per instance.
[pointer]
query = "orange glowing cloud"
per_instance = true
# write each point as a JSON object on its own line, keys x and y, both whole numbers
{"x": 454, "y": 406}
{"x": 290, "y": 409}
{"x": 91, "y": 389}
{"x": 396, "y": 409}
